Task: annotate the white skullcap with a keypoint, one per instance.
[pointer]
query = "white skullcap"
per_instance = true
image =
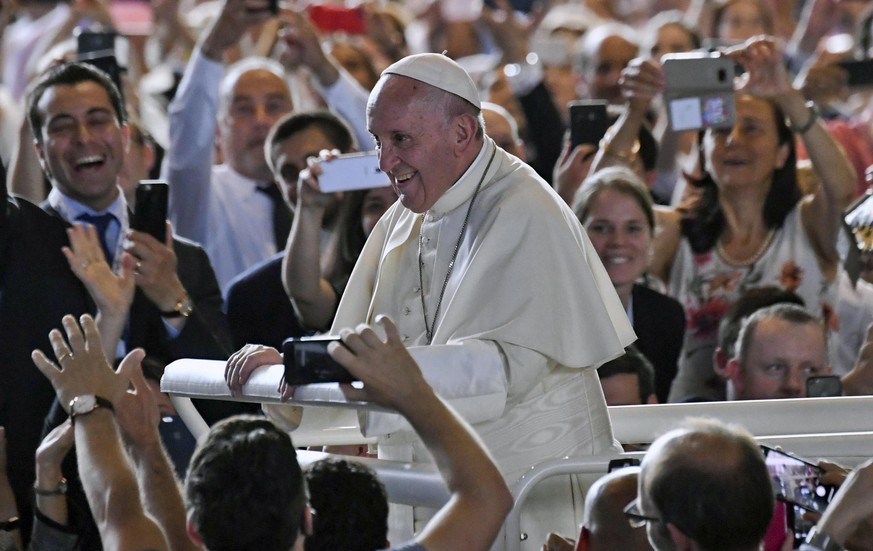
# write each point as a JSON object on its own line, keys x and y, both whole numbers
{"x": 439, "y": 71}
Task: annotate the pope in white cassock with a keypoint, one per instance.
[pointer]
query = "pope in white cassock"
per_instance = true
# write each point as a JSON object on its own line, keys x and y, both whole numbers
{"x": 491, "y": 281}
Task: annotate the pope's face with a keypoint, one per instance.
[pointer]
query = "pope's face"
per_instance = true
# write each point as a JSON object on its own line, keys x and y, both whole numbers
{"x": 82, "y": 143}
{"x": 412, "y": 136}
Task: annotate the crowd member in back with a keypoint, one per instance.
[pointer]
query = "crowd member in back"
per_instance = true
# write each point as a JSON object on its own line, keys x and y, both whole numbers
{"x": 628, "y": 380}
{"x": 327, "y": 236}
{"x": 704, "y": 486}
{"x": 351, "y": 507}
{"x": 616, "y": 210}
{"x": 240, "y": 450}
{"x": 729, "y": 328}
{"x": 778, "y": 349}
{"x": 235, "y": 209}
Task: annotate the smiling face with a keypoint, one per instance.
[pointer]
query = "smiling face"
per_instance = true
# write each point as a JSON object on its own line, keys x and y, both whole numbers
{"x": 620, "y": 232}
{"x": 422, "y": 148}
{"x": 82, "y": 144}
{"x": 748, "y": 153}
{"x": 258, "y": 99}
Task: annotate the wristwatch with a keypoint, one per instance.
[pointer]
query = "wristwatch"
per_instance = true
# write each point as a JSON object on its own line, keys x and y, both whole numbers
{"x": 822, "y": 542}
{"x": 10, "y": 525}
{"x": 183, "y": 308}
{"x": 58, "y": 490}
{"x": 86, "y": 403}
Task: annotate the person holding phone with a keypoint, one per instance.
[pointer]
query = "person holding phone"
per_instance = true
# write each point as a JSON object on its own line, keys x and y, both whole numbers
{"x": 746, "y": 223}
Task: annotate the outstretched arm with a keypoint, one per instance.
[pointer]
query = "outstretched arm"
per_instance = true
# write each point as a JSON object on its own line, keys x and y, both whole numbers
{"x": 480, "y": 499}
{"x": 104, "y": 468}
{"x": 821, "y": 213}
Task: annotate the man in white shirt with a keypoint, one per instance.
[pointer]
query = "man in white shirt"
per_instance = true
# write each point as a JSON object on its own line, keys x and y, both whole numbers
{"x": 231, "y": 207}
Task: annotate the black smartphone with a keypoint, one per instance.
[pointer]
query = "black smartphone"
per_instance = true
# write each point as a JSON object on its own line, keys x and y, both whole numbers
{"x": 150, "y": 211}
{"x": 97, "y": 49}
{"x": 823, "y": 386}
{"x": 523, "y": 6}
{"x": 588, "y": 122}
{"x": 797, "y": 481}
{"x": 860, "y": 72}
{"x": 307, "y": 362}
{"x": 89, "y": 42}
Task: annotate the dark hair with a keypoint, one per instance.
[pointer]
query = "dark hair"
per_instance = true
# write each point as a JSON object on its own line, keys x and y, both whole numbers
{"x": 722, "y": 7}
{"x": 703, "y": 221}
{"x": 747, "y": 304}
{"x": 711, "y": 482}
{"x": 791, "y": 313}
{"x": 244, "y": 489}
{"x": 334, "y": 128}
{"x": 633, "y": 362}
{"x": 351, "y": 507}
{"x": 70, "y": 74}
{"x": 672, "y": 18}
{"x": 349, "y": 238}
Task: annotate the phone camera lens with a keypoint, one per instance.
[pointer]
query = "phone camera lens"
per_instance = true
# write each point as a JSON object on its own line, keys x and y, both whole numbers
{"x": 722, "y": 75}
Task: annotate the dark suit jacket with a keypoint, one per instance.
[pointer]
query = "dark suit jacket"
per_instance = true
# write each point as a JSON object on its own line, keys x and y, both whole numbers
{"x": 258, "y": 309}
{"x": 37, "y": 288}
{"x": 659, "y": 322}
{"x": 204, "y": 335}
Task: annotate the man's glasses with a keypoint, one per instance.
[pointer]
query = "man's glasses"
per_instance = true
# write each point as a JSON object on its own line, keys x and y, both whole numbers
{"x": 634, "y": 517}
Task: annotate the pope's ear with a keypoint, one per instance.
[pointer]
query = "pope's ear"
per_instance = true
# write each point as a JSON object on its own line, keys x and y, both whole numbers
{"x": 465, "y": 128}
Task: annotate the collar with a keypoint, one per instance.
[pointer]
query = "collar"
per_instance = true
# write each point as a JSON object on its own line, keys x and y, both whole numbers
{"x": 463, "y": 189}
{"x": 70, "y": 209}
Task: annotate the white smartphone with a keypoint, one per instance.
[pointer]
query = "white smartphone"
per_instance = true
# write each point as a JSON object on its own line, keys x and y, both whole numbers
{"x": 352, "y": 171}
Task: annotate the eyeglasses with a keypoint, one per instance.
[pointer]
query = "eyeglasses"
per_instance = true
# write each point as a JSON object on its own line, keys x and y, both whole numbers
{"x": 634, "y": 517}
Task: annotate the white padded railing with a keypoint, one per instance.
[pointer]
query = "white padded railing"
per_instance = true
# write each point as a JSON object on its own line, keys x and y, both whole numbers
{"x": 186, "y": 379}
{"x": 632, "y": 424}
{"x": 834, "y": 428}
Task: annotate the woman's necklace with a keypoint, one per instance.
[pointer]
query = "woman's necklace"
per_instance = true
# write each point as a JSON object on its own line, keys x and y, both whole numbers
{"x": 747, "y": 261}
{"x": 429, "y": 328}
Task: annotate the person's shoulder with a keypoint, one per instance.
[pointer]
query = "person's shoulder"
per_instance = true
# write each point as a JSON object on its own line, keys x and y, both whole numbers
{"x": 265, "y": 270}
{"x": 655, "y": 299}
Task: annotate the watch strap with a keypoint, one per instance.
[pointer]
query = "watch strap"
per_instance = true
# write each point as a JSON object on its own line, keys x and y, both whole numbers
{"x": 99, "y": 402}
{"x": 182, "y": 309}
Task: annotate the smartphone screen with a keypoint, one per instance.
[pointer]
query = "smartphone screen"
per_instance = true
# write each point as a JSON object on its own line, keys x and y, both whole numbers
{"x": 823, "y": 386}
{"x": 797, "y": 481}
{"x": 307, "y": 361}
{"x": 150, "y": 211}
{"x": 352, "y": 171}
{"x": 588, "y": 122}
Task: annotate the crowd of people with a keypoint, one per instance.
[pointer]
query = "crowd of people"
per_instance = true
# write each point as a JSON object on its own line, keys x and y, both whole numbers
{"x": 504, "y": 289}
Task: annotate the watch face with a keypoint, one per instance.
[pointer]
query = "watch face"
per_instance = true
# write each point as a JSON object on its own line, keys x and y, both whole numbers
{"x": 83, "y": 404}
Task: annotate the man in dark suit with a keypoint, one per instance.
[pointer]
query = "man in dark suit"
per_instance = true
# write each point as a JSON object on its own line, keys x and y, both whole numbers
{"x": 175, "y": 310}
{"x": 37, "y": 289}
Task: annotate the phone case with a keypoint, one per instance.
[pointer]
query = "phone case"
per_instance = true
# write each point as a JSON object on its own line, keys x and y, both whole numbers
{"x": 307, "y": 362}
{"x": 699, "y": 91}
{"x": 588, "y": 122}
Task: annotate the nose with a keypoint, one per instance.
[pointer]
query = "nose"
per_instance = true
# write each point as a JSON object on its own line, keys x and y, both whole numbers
{"x": 793, "y": 384}
{"x": 263, "y": 116}
{"x": 387, "y": 159}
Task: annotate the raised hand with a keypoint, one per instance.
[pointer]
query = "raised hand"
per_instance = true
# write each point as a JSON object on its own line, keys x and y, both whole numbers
{"x": 82, "y": 367}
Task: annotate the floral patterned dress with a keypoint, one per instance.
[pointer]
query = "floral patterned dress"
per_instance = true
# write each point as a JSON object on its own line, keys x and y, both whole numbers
{"x": 707, "y": 285}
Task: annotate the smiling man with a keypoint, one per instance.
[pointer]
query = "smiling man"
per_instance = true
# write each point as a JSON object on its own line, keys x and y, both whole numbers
{"x": 494, "y": 285}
